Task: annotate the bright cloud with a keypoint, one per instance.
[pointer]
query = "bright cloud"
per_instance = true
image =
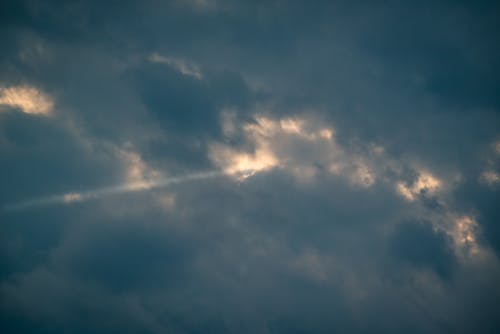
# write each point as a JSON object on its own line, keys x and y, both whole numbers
{"x": 297, "y": 145}
{"x": 72, "y": 197}
{"x": 139, "y": 175}
{"x": 425, "y": 184}
{"x": 272, "y": 147}
{"x": 242, "y": 164}
{"x": 180, "y": 65}
{"x": 26, "y": 98}
{"x": 464, "y": 233}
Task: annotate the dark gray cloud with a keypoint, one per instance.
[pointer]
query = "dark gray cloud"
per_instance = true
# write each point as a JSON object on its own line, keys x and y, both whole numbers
{"x": 437, "y": 255}
{"x": 358, "y": 146}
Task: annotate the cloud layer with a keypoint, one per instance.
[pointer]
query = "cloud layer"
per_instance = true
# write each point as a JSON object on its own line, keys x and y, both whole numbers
{"x": 249, "y": 167}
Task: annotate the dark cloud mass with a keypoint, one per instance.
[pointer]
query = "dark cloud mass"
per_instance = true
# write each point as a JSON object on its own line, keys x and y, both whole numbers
{"x": 218, "y": 166}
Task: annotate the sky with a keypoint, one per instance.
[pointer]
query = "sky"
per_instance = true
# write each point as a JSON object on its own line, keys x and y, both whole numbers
{"x": 218, "y": 166}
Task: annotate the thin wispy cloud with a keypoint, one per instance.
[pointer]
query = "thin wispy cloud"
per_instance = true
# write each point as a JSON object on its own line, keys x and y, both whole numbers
{"x": 94, "y": 194}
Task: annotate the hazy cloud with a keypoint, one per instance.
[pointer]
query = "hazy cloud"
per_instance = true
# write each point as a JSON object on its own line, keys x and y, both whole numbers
{"x": 249, "y": 167}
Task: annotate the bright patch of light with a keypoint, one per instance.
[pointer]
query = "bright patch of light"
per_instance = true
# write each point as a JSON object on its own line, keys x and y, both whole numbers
{"x": 425, "y": 184}
{"x": 464, "y": 234}
{"x": 139, "y": 175}
{"x": 299, "y": 127}
{"x": 180, "y": 65}
{"x": 296, "y": 145}
{"x": 28, "y": 99}
{"x": 243, "y": 164}
{"x": 72, "y": 197}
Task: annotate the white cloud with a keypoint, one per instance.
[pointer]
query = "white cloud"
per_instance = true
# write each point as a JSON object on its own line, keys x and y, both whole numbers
{"x": 243, "y": 164}
{"x": 464, "y": 233}
{"x": 425, "y": 184}
{"x": 139, "y": 176}
{"x": 181, "y": 65}
{"x": 72, "y": 197}
{"x": 26, "y": 98}
{"x": 299, "y": 127}
{"x": 296, "y": 145}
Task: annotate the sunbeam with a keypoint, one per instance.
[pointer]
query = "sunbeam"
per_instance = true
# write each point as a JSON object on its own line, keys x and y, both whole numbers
{"x": 75, "y": 196}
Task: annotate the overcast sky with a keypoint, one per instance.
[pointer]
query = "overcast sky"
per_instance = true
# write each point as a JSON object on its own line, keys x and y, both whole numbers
{"x": 267, "y": 166}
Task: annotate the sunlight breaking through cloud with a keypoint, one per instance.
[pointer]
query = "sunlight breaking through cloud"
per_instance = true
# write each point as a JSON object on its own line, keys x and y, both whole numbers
{"x": 26, "y": 98}
{"x": 99, "y": 193}
{"x": 425, "y": 184}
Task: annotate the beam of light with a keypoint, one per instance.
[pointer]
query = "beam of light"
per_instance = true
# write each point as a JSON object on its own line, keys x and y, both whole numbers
{"x": 72, "y": 197}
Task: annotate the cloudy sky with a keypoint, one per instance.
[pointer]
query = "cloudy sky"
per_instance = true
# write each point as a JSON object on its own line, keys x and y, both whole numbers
{"x": 218, "y": 166}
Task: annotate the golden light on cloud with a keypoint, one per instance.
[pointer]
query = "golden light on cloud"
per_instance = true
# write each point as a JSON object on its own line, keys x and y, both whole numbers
{"x": 28, "y": 99}
{"x": 298, "y": 127}
{"x": 272, "y": 146}
{"x": 291, "y": 125}
{"x": 425, "y": 183}
{"x": 295, "y": 126}
{"x": 326, "y": 134}
{"x": 263, "y": 127}
{"x": 491, "y": 178}
{"x": 297, "y": 145}
{"x": 139, "y": 176}
{"x": 243, "y": 164}
{"x": 464, "y": 234}
{"x": 72, "y": 197}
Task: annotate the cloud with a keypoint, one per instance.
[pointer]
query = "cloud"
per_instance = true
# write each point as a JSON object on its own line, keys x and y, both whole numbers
{"x": 180, "y": 65}
{"x": 263, "y": 166}
{"x": 302, "y": 147}
{"x": 27, "y": 99}
{"x": 418, "y": 244}
{"x": 425, "y": 184}
{"x": 490, "y": 177}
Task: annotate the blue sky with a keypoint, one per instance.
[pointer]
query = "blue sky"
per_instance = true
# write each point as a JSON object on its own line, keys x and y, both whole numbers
{"x": 216, "y": 166}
